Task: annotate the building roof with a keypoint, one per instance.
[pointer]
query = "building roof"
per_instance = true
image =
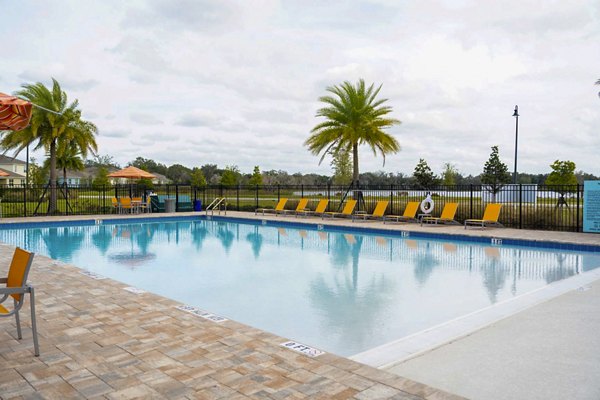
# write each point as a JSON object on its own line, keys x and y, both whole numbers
{"x": 10, "y": 174}
{"x": 10, "y": 160}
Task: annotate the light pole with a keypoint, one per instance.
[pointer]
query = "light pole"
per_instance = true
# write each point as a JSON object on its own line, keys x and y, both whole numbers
{"x": 516, "y": 115}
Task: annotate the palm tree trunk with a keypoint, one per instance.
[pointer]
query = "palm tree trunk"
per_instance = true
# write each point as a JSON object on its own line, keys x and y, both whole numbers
{"x": 52, "y": 205}
{"x": 355, "y": 164}
{"x": 65, "y": 176}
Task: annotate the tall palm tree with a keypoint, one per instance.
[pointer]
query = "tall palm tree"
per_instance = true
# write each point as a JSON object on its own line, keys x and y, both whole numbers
{"x": 598, "y": 83}
{"x": 63, "y": 124}
{"x": 353, "y": 117}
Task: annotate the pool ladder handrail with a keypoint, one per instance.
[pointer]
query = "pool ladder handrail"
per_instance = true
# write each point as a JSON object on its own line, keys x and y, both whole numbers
{"x": 217, "y": 204}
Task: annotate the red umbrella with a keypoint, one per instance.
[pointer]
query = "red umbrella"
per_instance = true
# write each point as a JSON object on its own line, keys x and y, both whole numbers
{"x": 14, "y": 113}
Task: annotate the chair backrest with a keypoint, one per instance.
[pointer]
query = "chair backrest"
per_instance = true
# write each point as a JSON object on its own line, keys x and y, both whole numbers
{"x": 126, "y": 202}
{"x": 411, "y": 209}
{"x": 380, "y": 208}
{"x": 322, "y": 206}
{"x": 19, "y": 269}
{"x": 115, "y": 202}
{"x": 138, "y": 199}
{"x": 281, "y": 204}
{"x": 349, "y": 207}
{"x": 492, "y": 212}
{"x": 302, "y": 204}
{"x": 449, "y": 210}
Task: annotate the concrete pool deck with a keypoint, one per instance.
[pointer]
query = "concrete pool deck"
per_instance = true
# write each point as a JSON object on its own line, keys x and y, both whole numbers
{"x": 99, "y": 341}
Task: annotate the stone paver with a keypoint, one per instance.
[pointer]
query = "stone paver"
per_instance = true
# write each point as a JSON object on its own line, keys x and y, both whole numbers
{"x": 99, "y": 341}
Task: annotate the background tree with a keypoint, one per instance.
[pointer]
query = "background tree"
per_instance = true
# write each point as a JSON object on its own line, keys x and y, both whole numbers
{"x": 495, "y": 173}
{"x": 562, "y": 176}
{"x": 97, "y": 161}
{"x": 353, "y": 117}
{"x": 230, "y": 176}
{"x": 101, "y": 179}
{"x": 423, "y": 175}
{"x": 150, "y": 165}
{"x": 178, "y": 173}
{"x": 62, "y": 124}
{"x": 256, "y": 178}
{"x": 449, "y": 175}
{"x": 197, "y": 178}
{"x": 342, "y": 167}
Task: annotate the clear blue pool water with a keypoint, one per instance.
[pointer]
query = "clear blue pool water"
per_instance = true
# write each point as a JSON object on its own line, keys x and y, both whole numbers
{"x": 343, "y": 292}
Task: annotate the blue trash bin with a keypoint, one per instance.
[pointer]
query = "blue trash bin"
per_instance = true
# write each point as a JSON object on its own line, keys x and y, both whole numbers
{"x": 197, "y": 205}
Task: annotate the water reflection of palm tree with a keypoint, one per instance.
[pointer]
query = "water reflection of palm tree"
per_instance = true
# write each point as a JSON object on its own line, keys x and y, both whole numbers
{"x": 425, "y": 262}
{"x": 199, "y": 233}
{"x": 345, "y": 249}
{"x": 226, "y": 236}
{"x": 102, "y": 238}
{"x": 63, "y": 242}
{"x": 559, "y": 271}
{"x": 256, "y": 240}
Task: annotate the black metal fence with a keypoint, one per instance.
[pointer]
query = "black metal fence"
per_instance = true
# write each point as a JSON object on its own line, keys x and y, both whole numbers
{"x": 524, "y": 206}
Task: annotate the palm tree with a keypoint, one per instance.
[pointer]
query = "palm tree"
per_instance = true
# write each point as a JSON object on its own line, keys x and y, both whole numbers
{"x": 598, "y": 83}
{"x": 353, "y": 117}
{"x": 54, "y": 122}
{"x": 67, "y": 158}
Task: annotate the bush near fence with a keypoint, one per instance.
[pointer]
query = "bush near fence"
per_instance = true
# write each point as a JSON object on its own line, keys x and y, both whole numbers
{"x": 552, "y": 207}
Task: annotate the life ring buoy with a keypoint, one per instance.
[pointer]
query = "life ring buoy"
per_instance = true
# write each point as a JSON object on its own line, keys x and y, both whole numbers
{"x": 427, "y": 205}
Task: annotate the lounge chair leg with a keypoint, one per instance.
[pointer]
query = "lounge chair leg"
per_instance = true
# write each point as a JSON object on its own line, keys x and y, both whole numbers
{"x": 36, "y": 346}
{"x": 19, "y": 336}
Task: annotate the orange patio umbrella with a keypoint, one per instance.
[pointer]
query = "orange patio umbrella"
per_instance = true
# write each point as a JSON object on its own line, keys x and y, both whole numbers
{"x": 14, "y": 113}
{"x": 132, "y": 173}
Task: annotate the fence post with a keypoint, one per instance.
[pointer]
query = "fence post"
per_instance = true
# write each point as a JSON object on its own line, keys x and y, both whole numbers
{"x": 391, "y": 199}
{"x": 104, "y": 198}
{"x": 25, "y": 201}
{"x": 520, "y": 206}
{"x": 471, "y": 202}
{"x": 176, "y": 197}
{"x": 577, "y": 212}
{"x": 328, "y": 195}
{"x": 238, "y": 196}
{"x": 278, "y": 192}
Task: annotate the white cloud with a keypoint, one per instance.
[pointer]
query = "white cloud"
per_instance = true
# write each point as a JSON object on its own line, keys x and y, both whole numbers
{"x": 237, "y": 82}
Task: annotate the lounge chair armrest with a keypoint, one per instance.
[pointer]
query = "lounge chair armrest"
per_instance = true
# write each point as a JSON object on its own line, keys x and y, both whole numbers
{"x": 15, "y": 290}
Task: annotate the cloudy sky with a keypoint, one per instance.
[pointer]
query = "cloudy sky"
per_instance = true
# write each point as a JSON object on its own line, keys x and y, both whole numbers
{"x": 238, "y": 82}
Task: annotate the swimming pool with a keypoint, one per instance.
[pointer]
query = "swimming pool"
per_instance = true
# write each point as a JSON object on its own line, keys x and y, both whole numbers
{"x": 341, "y": 291}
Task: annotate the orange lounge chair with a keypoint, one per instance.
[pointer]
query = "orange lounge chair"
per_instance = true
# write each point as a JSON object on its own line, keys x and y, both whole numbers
{"x": 378, "y": 212}
{"x": 278, "y": 208}
{"x": 346, "y": 212}
{"x": 300, "y": 207}
{"x": 410, "y": 214}
{"x": 319, "y": 210}
{"x": 490, "y": 217}
{"x": 447, "y": 216}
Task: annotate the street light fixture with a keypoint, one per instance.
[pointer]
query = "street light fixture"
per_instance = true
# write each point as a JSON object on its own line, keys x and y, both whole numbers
{"x": 516, "y": 115}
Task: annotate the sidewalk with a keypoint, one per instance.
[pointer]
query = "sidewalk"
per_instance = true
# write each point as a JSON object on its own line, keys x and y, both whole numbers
{"x": 550, "y": 351}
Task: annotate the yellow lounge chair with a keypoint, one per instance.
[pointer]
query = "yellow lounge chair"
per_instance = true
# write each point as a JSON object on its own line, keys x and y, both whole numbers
{"x": 278, "y": 207}
{"x": 126, "y": 204}
{"x": 116, "y": 205}
{"x": 300, "y": 207}
{"x": 378, "y": 212}
{"x": 319, "y": 210}
{"x": 347, "y": 211}
{"x": 490, "y": 217}
{"x": 16, "y": 288}
{"x": 447, "y": 216}
{"x": 410, "y": 213}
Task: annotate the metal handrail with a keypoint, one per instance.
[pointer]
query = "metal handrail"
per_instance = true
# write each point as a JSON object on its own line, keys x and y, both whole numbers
{"x": 216, "y": 204}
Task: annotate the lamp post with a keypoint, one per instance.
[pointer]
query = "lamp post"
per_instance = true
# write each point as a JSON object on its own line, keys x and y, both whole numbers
{"x": 516, "y": 115}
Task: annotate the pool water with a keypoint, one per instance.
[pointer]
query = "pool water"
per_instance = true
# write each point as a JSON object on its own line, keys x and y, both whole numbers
{"x": 343, "y": 292}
